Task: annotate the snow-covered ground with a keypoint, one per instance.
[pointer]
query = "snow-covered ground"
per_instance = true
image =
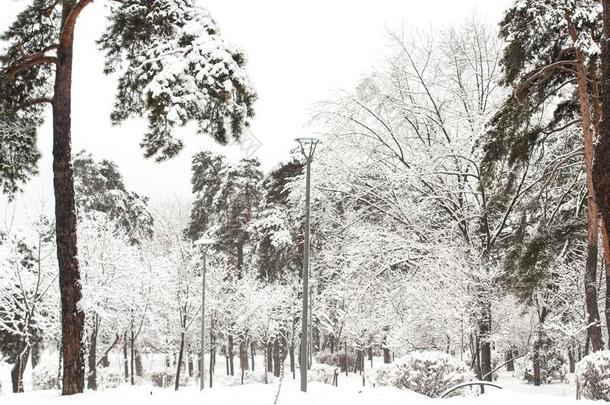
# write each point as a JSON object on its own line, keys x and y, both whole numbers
{"x": 350, "y": 391}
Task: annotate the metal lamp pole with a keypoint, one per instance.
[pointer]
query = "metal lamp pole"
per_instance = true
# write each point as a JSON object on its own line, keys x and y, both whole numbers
{"x": 308, "y": 147}
{"x": 205, "y": 243}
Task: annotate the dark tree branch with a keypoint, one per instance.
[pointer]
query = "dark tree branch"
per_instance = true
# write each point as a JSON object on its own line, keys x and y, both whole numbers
{"x": 35, "y": 60}
{"x": 35, "y": 101}
{"x": 73, "y": 16}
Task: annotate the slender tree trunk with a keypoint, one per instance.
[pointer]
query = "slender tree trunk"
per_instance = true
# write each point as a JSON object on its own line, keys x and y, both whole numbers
{"x": 269, "y": 357}
{"x": 227, "y": 361}
{"x": 593, "y": 318}
{"x": 125, "y": 360}
{"x": 73, "y": 318}
{"x": 19, "y": 368}
{"x": 132, "y": 357}
{"x": 252, "y": 353}
{"x": 536, "y": 365}
{"x": 104, "y": 360}
{"x": 92, "y": 359}
{"x": 292, "y": 367}
{"x": 139, "y": 366}
{"x": 190, "y": 364}
{"x": 36, "y": 349}
{"x": 571, "y": 362}
{"x": 230, "y": 351}
{"x": 243, "y": 357}
{"x": 485, "y": 341}
{"x": 276, "y": 357}
{"x": 510, "y": 363}
{"x": 180, "y": 358}
{"x": 212, "y": 361}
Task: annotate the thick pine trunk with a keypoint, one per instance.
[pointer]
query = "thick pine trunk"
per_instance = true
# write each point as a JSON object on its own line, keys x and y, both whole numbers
{"x": 593, "y": 318}
{"x": 65, "y": 214}
{"x": 601, "y": 163}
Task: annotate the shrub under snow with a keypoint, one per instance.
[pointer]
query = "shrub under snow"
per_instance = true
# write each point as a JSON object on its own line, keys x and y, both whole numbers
{"x": 45, "y": 377}
{"x": 553, "y": 367}
{"x": 321, "y": 373}
{"x": 593, "y": 375}
{"x": 428, "y": 373}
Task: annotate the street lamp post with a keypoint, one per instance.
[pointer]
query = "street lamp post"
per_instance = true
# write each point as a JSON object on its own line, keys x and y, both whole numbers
{"x": 308, "y": 148}
{"x": 205, "y": 243}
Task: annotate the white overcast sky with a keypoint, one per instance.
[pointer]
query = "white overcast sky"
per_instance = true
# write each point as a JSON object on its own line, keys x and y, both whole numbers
{"x": 298, "y": 53}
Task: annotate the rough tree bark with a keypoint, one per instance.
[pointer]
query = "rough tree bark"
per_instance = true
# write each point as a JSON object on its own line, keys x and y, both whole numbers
{"x": 601, "y": 163}
{"x": 593, "y": 318}
{"x": 73, "y": 318}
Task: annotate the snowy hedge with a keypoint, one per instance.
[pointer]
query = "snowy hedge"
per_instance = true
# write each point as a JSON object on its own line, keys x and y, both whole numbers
{"x": 322, "y": 373}
{"x": 593, "y": 375}
{"x": 336, "y": 359}
{"x": 428, "y": 373}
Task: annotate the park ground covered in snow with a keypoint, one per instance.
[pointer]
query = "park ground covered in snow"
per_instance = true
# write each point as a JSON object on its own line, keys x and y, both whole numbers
{"x": 349, "y": 391}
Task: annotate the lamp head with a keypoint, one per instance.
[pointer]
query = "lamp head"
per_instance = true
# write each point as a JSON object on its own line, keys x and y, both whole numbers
{"x": 308, "y": 146}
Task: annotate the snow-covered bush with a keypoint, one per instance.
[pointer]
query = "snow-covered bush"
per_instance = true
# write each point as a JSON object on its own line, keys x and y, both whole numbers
{"x": 165, "y": 379}
{"x": 45, "y": 377}
{"x": 336, "y": 359}
{"x": 553, "y": 367}
{"x": 251, "y": 377}
{"x": 107, "y": 378}
{"x": 322, "y": 373}
{"x": 593, "y": 375}
{"x": 382, "y": 375}
{"x": 428, "y": 373}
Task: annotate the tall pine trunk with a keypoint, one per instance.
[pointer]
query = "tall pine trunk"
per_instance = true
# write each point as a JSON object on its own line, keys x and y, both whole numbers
{"x": 72, "y": 316}
{"x": 601, "y": 163}
{"x": 593, "y": 318}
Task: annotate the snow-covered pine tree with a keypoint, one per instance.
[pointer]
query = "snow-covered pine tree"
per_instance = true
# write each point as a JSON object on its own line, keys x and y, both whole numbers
{"x": 551, "y": 63}
{"x": 174, "y": 68}
{"x": 99, "y": 187}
